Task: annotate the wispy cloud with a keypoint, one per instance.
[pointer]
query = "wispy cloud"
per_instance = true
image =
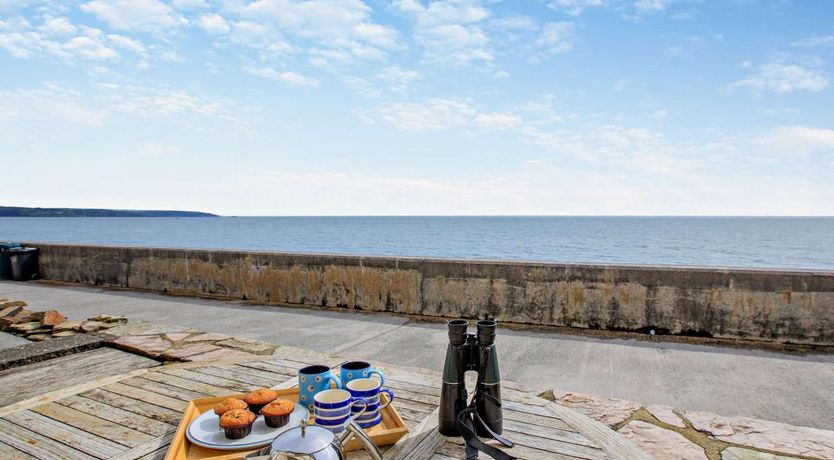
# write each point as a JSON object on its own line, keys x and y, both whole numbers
{"x": 291, "y": 78}
{"x": 783, "y": 78}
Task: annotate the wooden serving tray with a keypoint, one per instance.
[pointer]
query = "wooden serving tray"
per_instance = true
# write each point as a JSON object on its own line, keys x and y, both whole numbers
{"x": 386, "y": 433}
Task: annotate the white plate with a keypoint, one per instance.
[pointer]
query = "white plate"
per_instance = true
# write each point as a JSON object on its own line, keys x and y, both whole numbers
{"x": 205, "y": 431}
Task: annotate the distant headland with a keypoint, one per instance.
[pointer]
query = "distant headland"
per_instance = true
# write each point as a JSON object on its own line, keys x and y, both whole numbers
{"x": 14, "y": 211}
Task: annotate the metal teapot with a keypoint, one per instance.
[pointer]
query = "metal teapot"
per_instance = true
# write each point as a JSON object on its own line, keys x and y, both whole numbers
{"x": 315, "y": 443}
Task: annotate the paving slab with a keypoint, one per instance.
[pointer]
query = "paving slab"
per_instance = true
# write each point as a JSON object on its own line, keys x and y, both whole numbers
{"x": 753, "y": 383}
{"x": 10, "y": 340}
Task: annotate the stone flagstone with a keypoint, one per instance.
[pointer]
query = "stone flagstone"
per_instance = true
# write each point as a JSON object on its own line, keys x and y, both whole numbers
{"x": 252, "y": 346}
{"x": 737, "y": 453}
{"x": 221, "y": 354}
{"x": 176, "y": 336}
{"x": 666, "y": 414}
{"x": 187, "y": 352}
{"x": 660, "y": 443}
{"x": 152, "y": 345}
{"x": 764, "y": 434}
{"x": 606, "y": 410}
{"x": 208, "y": 336}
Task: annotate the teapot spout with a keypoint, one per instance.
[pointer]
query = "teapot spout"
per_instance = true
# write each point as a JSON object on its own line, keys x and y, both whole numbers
{"x": 351, "y": 430}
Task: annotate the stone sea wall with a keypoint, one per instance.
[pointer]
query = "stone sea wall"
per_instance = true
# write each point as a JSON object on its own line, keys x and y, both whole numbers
{"x": 789, "y": 306}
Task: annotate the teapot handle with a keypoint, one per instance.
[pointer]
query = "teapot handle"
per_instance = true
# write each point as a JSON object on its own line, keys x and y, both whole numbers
{"x": 351, "y": 430}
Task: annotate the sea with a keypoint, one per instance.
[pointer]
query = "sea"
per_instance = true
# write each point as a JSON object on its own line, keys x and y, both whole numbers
{"x": 740, "y": 242}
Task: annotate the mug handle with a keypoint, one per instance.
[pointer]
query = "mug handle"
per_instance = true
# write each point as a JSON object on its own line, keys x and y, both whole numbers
{"x": 336, "y": 380}
{"x": 380, "y": 374}
{"x": 390, "y": 397}
{"x": 364, "y": 408}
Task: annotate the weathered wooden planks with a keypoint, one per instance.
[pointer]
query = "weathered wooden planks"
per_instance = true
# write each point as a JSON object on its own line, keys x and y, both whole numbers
{"x": 17, "y": 384}
{"x": 135, "y": 404}
{"x": 116, "y": 415}
{"x": 8, "y": 452}
{"x": 150, "y": 397}
{"x": 92, "y": 424}
{"x": 44, "y": 438}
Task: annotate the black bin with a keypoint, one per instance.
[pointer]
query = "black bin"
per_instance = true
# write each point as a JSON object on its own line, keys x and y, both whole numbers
{"x": 24, "y": 263}
{"x": 5, "y": 259}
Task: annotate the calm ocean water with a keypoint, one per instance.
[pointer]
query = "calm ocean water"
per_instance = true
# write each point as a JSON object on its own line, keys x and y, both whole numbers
{"x": 706, "y": 241}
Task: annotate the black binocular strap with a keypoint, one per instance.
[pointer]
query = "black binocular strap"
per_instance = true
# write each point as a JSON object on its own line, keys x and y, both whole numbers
{"x": 466, "y": 425}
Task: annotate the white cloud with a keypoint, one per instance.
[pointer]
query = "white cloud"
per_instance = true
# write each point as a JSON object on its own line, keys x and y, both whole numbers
{"x": 783, "y": 78}
{"x": 190, "y": 4}
{"x": 576, "y": 7}
{"x": 392, "y": 79}
{"x": 556, "y": 37}
{"x": 138, "y": 15}
{"x": 127, "y": 43}
{"x": 49, "y": 102}
{"x": 213, "y": 23}
{"x": 814, "y": 42}
{"x": 339, "y": 24}
{"x": 798, "y": 140}
{"x": 58, "y": 26}
{"x": 500, "y": 75}
{"x": 57, "y": 38}
{"x": 290, "y": 78}
{"x": 443, "y": 114}
{"x": 450, "y": 30}
{"x": 260, "y": 36}
{"x": 650, "y": 6}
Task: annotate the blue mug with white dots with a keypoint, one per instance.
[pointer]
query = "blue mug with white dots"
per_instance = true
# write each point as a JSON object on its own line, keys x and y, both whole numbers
{"x": 313, "y": 380}
{"x": 353, "y": 370}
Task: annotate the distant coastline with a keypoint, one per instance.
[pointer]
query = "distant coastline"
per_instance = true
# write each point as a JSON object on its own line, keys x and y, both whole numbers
{"x": 14, "y": 211}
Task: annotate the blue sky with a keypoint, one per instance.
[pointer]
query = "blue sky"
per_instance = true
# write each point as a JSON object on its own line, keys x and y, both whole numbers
{"x": 326, "y": 107}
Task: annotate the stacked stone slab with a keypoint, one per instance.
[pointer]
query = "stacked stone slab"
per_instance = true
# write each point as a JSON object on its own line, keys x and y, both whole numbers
{"x": 44, "y": 325}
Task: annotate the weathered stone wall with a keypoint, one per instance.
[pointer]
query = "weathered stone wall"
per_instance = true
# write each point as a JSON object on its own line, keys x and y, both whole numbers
{"x": 796, "y": 306}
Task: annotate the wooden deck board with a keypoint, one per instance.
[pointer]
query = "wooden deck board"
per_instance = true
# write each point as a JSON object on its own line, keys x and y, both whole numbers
{"x": 10, "y": 453}
{"x": 136, "y": 406}
{"x": 44, "y": 438}
{"x": 92, "y": 424}
{"x": 16, "y": 384}
{"x": 117, "y": 415}
{"x": 147, "y": 396}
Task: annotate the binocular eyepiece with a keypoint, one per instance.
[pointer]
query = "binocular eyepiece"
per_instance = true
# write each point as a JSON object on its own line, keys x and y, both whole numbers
{"x": 458, "y": 332}
{"x": 471, "y": 352}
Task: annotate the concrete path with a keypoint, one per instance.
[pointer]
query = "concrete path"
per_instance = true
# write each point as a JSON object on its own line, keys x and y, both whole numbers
{"x": 9, "y": 340}
{"x": 785, "y": 388}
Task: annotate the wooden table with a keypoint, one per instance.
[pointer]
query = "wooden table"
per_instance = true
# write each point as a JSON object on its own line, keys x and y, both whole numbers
{"x": 106, "y": 403}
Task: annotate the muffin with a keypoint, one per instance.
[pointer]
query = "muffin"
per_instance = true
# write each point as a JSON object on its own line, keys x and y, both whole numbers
{"x": 277, "y": 413}
{"x": 229, "y": 404}
{"x": 259, "y": 398}
{"x": 237, "y": 423}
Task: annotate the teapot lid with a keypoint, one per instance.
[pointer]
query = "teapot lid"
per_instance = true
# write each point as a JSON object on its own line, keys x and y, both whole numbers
{"x": 303, "y": 439}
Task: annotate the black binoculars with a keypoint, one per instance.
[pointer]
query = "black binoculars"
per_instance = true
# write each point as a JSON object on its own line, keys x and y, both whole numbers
{"x": 471, "y": 352}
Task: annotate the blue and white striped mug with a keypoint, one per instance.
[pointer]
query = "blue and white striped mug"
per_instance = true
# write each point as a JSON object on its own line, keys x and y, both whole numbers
{"x": 334, "y": 409}
{"x": 313, "y": 380}
{"x": 353, "y": 370}
{"x": 369, "y": 390}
